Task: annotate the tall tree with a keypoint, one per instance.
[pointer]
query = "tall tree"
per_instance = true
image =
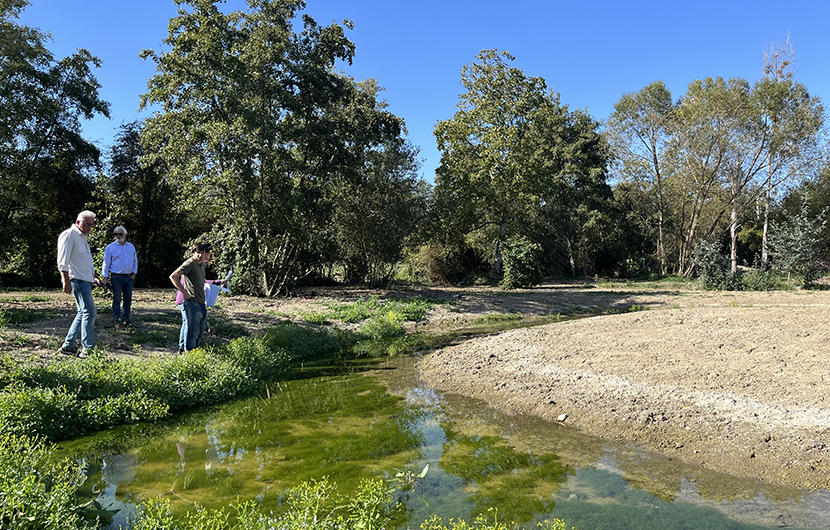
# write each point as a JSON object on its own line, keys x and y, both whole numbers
{"x": 140, "y": 197}
{"x": 509, "y": 149}
{"x": 640, "y": 131}
{"x": 47, "y": 170}
{"x": 254, "y": 123}
{"x": 793, "y": 121}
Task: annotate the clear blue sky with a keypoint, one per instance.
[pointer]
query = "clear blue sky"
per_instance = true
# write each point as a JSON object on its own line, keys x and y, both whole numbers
{"x": 590, "y": 52}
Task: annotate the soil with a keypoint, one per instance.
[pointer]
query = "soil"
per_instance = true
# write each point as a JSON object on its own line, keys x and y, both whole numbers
{"x": 733, "y": 382}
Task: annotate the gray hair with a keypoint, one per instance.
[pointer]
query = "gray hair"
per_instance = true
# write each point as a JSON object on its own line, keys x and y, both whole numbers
{"x": 117, "y": 228}
{"x": 86, "y": 214}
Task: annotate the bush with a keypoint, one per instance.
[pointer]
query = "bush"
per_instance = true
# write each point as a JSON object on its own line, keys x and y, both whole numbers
{"x": 714, "y": 268}
{"x": 383, "y": 326}
{"x": 301, "y": 342}
{"x": 262, "y": 356}
{"x": 74, "y": 397}
{"x": 36, "y": 492}
{"x": 521, "y": 263}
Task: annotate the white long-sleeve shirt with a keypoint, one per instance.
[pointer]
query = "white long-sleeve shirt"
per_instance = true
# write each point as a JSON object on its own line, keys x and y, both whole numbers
{"x": 74, "y": 255}
{"x": 119, "y": 259}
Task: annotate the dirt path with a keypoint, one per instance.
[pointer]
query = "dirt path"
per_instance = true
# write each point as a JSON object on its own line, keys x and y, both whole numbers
{"x": 735, "y": 382}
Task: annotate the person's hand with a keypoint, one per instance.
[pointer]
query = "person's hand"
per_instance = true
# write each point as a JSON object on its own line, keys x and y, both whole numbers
{"x": 67, "y": 288}
{"x": 223, "y": 281}
{"x": 186, "y": 296}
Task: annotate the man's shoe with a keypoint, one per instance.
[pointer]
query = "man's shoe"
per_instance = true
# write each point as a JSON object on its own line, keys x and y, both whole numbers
{"x": 68, "y": 351}
{"x": 82, "y": 355}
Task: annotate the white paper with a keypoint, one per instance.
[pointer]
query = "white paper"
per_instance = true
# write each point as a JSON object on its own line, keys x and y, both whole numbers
{"x": 211, "y": 292}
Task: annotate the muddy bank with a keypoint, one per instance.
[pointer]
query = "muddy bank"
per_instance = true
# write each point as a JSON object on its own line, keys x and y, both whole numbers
{"x": 736, "y": 383}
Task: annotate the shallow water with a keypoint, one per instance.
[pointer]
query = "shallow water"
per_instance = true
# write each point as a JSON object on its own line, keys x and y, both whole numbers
{"x": 347, "y": 424}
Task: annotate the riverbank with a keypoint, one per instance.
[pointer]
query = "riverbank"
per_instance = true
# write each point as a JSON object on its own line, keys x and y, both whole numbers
{"x": 734, "y": 382}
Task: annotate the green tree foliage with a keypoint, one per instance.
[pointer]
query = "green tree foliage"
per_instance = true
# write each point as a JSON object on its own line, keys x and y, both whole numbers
{"x": 139, "y": 196}
{"x": 795, "y": 243}
{"x": 639, "y": 131}
{"x": 701, "y": 167}
{"x": 47, "y": 170}
{"x": 377, "y": 204}
{"x": 521, "y": 263}
{"x": 255, "y": 125}
{"x": 513, "y": 160}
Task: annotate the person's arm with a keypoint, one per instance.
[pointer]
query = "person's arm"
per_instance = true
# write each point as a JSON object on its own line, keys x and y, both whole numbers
{"x": 105, "y": 267}
{"x": 176, "y": 278}
{"x": 135, "y": 262}
{"x": 64, "y": 250}
{"x": 67, "y": 286}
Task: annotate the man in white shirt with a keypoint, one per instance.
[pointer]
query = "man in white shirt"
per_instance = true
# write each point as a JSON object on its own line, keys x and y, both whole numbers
{"x": 78, "y": 276}
{"x": 120, "y": 266}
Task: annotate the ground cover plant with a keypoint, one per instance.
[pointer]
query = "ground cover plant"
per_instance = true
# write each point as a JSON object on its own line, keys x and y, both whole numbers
{"x": 65, "y": 399}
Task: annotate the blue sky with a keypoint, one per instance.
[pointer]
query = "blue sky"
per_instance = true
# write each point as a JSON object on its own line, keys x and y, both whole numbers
{"x": 590, "y": 52}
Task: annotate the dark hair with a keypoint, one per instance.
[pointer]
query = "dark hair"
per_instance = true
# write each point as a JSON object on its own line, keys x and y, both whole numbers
{"x": 201, "y": 247}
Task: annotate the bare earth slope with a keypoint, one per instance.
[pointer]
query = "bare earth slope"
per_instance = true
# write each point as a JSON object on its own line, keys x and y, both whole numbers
{"x": 734, "y": 382}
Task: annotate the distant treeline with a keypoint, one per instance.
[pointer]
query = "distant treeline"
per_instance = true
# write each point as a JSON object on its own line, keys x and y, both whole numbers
{"x": 299, "y": 175}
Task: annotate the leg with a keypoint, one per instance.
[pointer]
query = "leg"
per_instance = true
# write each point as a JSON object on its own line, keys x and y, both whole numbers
{"x": 196, "y": 317}
{"x": 117, "y": 289}
{"x": 128, "y": 298}
{"x": 84, "y": 323}
{"x": 183, "y": 332}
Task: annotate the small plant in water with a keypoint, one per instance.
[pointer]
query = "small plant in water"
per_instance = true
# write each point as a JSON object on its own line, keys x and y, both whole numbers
{"x": 406, "y": 479}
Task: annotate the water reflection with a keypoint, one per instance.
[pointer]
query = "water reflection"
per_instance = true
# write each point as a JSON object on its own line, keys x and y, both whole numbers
{"x": 349, "y": 427}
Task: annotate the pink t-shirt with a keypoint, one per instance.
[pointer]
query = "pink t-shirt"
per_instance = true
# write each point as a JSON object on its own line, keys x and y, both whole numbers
{"x": 180, "y": 296}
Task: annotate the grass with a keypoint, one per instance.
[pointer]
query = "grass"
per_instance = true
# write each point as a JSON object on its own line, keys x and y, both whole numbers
{"x": 24, "y": 315}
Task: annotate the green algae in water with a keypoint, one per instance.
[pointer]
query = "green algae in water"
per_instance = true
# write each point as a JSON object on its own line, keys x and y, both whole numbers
{"x": 343, "y": 427}
{"x": 350, "y": 427}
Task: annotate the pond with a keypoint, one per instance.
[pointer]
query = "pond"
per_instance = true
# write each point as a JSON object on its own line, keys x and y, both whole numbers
{"x": 356, "y": 421}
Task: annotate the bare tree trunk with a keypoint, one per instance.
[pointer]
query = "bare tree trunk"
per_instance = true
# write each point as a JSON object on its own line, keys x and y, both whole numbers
{"x": 733, "y": 234}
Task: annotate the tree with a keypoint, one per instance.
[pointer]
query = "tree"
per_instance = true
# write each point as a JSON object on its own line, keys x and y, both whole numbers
{"x": 484, "y": 158}
{"x": 47, "y": 170}
{"x": 254, "y": 124}
{"x": 140, "y": 197}
{"x": 795, "y": 243}
{"x": 510, "y": 151}
{"x": 640, "y": 132}
{"x": 376, "y": 214}
{"x": 792, "y": 119}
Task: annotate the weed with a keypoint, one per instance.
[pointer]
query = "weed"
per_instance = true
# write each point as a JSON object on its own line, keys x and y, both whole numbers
{"x": 383, "y": 326}
{"x": 493, "y": 318}
{"x": 35, "y": 298}
{"x": 16, "y": 316}
{"x": 315, "y": 317}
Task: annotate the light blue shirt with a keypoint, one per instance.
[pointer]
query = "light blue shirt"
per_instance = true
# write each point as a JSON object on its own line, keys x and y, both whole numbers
{"x": 119, "y": 259}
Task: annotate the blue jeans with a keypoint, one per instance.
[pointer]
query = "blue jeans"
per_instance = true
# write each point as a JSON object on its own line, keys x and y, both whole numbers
{"x": 196, "y": 323}
{"x": 84, "y": 323}
{"x": 121, "y": 284}
{"x": 183, "y": 332}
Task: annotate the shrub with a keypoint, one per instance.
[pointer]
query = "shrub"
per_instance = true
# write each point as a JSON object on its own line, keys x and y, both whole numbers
{"x": 758, "y": 279}
{"x": 35, "y": 491}
{"x": 521, "y": 263}
{"x": 51, "y": 413}
{"x": 301, "y": 342}
{"x": 383, "y": 326}
{"x": 260, "y": 355}
{"x": 714, "y": 268}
